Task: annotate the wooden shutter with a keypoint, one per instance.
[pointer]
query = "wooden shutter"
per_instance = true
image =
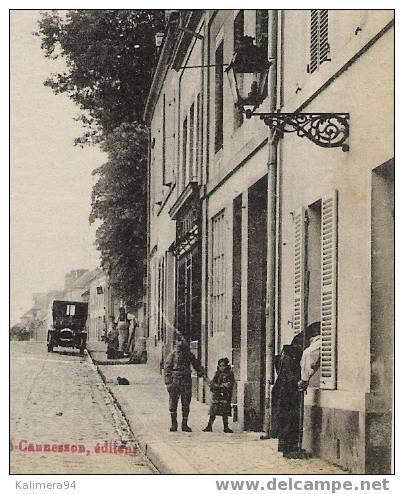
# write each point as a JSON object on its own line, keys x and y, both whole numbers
{"x": 319, "y": 44}
{"x": 299, "y": 316}
{"x": 329, "y": 240}
{"x": 313, "y": 64}
{"x": 323, "y": 44}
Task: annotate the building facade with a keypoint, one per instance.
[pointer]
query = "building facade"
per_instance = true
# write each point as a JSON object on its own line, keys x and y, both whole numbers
{"x": 325, "y": 217}
{"x": 102, "y": 303}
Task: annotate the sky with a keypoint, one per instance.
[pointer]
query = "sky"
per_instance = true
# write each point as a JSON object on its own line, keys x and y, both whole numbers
{"x": 51, "y": 181}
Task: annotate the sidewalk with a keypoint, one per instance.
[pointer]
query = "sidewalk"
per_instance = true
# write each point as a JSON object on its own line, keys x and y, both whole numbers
{"x": 98, "y": 350}
{"x": 145, "y": 405}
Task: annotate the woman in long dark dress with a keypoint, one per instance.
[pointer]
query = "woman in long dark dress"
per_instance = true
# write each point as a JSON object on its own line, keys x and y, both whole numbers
{"x": 221, "y": 387}
{"x": 286, "y": 395}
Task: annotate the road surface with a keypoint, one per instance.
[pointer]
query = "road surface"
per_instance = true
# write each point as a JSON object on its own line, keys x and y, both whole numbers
{"x": 63, "y": 420}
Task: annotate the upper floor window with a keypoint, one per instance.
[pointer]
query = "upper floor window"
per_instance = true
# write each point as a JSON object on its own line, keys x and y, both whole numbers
{"x": 261, "y": 29}
{"x": 319, "y": 39}
{"x": 219, "y": 97}
{"x": 198, "y": 147}
{"x": 261, "y": 35}
{"x": 238, "y": 33}
{"x": 191, "y": 142}
{"x": 184, "y": 151}
{"x": 218, "y": 274}
{"x": 163, "y": 145}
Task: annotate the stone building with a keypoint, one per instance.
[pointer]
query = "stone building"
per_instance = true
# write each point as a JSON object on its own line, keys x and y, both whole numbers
{"x": 75, "y": 283}
{"x": 252, "y": 236}
{"x": 101, "y": 303}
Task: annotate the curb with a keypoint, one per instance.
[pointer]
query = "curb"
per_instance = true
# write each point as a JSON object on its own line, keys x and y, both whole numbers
{"x": 160, "y": 455}
{"x": 116, "y": 403}
{"x": 106, "y": 362}
{"x": 156, "y": 453}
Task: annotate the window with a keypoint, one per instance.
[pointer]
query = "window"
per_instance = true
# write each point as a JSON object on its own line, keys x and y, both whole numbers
{"x": 261, "y": 29}
{"x": 313, "y": 262}
{"x": 261, "y": 35}
{"x": 219, "y": 97}
{"x": 238, "y": 33}
{"x": 319, "y": 43}
{"x": 198, "y": 148}
{"x": 218, "y": 274}
{"x": 161, "y": 318}
{"x": 191, "y": 142}
{"x": 315, "y": 278}
{"x": 164, "y": 137}
{"x": 70, "y": 310}
{"x": 184, "y": 150}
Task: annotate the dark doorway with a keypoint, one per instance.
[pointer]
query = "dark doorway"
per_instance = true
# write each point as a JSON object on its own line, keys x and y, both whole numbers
{"x": 256, "y": 299}
{"x": 189, "y": 297}
{"x": 379, "y": 413}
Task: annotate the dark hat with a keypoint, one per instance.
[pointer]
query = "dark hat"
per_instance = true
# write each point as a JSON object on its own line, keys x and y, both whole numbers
{"x": 223, "y": 360}
{"x": 313, "y": 329}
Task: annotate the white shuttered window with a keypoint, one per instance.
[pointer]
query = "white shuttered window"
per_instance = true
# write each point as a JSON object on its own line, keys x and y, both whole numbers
{"x": 319, "y": 39}
{"x": 328, "y": 284}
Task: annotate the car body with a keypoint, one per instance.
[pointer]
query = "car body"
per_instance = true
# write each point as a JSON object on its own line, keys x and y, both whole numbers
{"x": 69, "y": 325}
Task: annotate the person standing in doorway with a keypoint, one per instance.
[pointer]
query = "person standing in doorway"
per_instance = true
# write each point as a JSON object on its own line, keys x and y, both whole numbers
{"x": 286, "y": 393}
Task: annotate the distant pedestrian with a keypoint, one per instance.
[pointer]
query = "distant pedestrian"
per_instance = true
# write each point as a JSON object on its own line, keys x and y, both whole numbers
{"x": 123, "y": 330}
{"x": 221, "y": 387}
{"x": 133, "y": 325}
{"x": 177, "y": 377}
{"x": 112, "y": 340}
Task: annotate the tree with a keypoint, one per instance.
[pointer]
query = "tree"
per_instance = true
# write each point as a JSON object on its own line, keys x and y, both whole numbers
{"x": 109, "y": 56}
{"x": 119, "y": 200}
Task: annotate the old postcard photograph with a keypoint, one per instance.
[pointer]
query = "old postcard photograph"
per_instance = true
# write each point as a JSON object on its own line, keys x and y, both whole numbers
{"x": 202, "y": 244}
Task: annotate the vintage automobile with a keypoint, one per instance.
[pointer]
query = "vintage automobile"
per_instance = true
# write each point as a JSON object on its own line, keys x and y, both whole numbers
{"x": 69, "y": 325}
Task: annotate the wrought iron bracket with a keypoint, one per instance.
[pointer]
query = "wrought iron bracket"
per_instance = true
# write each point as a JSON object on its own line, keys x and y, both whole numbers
{"x": 328, "y": 130}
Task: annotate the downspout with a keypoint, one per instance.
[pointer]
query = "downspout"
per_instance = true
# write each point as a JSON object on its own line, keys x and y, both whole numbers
{"x": 148, "y": 234}
{"x": 271, "y": 227}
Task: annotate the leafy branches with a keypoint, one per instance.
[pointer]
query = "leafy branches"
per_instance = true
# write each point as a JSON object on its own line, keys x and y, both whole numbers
{"x": 108, "y": 60}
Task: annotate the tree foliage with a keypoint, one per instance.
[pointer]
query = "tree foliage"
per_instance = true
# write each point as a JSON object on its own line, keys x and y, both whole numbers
{"x": 108, "y": 57}
{"x": 119, "y": 200}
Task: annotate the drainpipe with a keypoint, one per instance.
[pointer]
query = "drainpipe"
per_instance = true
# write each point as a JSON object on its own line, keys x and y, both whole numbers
{"x": 148, "y": 234}
{"x": 271, "y": 227}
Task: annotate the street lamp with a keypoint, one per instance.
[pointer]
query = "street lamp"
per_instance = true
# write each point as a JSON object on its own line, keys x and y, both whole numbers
{"x": 248, "y": 74}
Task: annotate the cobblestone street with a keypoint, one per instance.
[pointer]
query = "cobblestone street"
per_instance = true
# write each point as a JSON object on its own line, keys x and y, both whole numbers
{"x": 59, "y": 399}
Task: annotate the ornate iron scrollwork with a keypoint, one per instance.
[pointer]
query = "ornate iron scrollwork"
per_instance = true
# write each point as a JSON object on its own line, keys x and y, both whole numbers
{"x": 328, "y": 130}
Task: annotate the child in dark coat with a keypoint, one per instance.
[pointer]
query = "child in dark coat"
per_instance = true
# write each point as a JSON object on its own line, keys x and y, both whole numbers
{"x": 221, "y": 387}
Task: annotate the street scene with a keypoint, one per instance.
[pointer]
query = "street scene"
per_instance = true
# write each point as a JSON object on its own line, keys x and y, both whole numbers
{"x": 202, "y": 241}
